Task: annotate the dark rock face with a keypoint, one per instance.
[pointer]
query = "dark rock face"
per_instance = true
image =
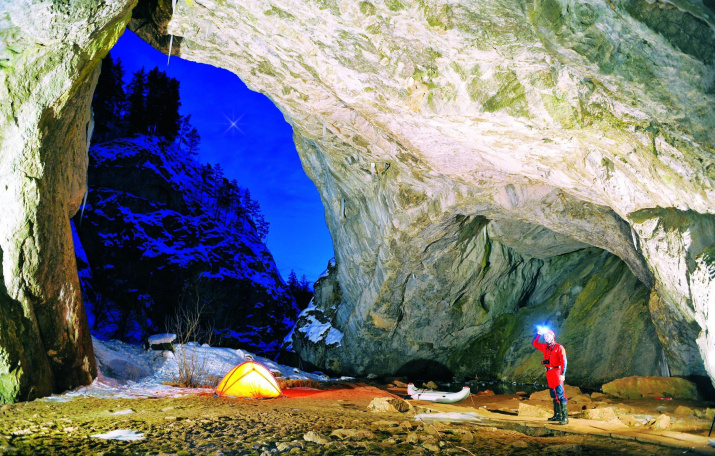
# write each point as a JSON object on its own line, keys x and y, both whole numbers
{"x": 153, "y": 236}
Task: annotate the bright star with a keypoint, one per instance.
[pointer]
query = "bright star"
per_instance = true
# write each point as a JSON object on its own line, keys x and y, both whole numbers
{"x": 233, "y": 124}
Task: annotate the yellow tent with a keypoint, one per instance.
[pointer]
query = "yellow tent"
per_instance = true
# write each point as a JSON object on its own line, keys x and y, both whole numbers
{"x": 249, "y": 379}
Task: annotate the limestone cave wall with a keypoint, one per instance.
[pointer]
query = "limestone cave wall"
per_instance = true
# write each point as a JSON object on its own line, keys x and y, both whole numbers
{"x": 483, "y": 166}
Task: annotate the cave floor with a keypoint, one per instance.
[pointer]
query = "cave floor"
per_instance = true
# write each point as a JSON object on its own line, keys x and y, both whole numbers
{"x": 338, "y": 418}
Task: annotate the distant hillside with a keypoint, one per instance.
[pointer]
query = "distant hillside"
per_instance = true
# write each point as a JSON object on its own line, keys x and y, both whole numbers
{"x": 161, "y": 232}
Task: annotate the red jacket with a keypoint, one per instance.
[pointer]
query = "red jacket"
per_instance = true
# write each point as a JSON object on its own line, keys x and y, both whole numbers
{"x": 556, "y": 354}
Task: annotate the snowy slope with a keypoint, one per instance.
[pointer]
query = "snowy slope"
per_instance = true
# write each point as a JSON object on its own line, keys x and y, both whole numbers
{"x": 128, "y": 371}
{"x": 152, "y": 237}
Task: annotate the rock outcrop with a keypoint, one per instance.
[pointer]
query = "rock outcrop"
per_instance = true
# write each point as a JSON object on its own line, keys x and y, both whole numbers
{"x": 466, "y": 153}
{"x": 49, "y": 53}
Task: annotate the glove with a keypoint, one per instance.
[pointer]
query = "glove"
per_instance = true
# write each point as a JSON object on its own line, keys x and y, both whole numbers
{"x": 562, "y": 378}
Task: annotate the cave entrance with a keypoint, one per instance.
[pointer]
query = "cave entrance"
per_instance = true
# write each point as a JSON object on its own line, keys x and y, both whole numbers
{"x": 197, "y": 203}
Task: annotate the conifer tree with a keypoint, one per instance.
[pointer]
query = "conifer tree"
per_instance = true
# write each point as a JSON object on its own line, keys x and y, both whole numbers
{"x": 207, "y": 173}
{"x": 292, "y": 281}
{"x": 192, "y": 141}
{"x": 155, "y": 83}
{"x": 109, "y": 100}
{"x": 170, "y": 120}
{"x": 184, "y": 129}
{"x": 162, "y": 105}
{"x": 136, "y": 103}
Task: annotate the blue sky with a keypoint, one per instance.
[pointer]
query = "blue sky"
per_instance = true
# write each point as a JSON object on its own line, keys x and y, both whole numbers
{"x": 259, "y": 154}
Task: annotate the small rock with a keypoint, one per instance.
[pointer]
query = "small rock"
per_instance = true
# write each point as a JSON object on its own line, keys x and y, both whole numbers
{"x": 389, "y": 404}
{"x": 433, "y": 447}
{"x": 353, "y": 434}
{"x": 283, "y": 447}
{"x": 487, "y": 393}
{"x": 412, "y": 437}
{"x": 430, "y": 385}
{"x": 599, "y": 414}
{"x": 662, "y": 422}
{"x": 388, "y": 426}
{"x": 371, "y": 376}
{"x": 683, "y": 410}
{"x": 463, "y": 434}
{"x": 628, "y": 420}
{"x": 407, "y": 426}
{"x": 533, "y": 410}
{"x": 598, "y": 396}
{"x": 312, "y": 436}
{"x": 399, "y": 384}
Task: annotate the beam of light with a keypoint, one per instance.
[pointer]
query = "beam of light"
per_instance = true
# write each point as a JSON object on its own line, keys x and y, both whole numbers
{"x": 233, "y": 124}
{"x": 542, "y": 329}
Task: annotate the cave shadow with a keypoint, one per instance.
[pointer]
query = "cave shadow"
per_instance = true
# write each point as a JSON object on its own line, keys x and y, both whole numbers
{"x": 425, "y": 369}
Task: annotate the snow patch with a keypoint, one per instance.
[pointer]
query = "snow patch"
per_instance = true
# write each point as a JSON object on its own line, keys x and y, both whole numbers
{"x": 120, "y": 434}
{"x": 123, "y": 412}
{"x": 157, "y": 339}
{"x": 448, "y": 416}
{"x": 315, "y": 330}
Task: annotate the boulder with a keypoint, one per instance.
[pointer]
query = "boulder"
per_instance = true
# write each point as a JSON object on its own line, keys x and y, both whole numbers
{"x": 389, "y": 405}
{"x": 637, "y": 387}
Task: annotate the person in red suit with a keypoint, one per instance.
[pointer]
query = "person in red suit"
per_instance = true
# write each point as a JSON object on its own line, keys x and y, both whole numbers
{"x": 555, "y": 364}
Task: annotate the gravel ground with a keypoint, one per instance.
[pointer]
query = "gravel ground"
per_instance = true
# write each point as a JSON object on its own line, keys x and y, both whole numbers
{"x": 331, "y": 422}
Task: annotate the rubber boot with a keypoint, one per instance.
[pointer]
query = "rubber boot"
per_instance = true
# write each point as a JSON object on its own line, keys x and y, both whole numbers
{"x": 564, "y": 414}
{"x": 557, "y": 412}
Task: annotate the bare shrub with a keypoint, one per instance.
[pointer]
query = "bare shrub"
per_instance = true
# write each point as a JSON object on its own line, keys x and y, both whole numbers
{"x": 186, "y": 323}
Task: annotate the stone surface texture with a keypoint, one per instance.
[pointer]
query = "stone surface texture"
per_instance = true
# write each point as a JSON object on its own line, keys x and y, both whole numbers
{"x": 49, "y": 53}
{"x": 466, "y": 153}
{"x": 654, "y": 387}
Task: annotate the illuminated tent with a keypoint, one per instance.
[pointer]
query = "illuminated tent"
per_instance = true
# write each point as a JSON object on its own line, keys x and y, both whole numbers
{"x": 249, "y": 379}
